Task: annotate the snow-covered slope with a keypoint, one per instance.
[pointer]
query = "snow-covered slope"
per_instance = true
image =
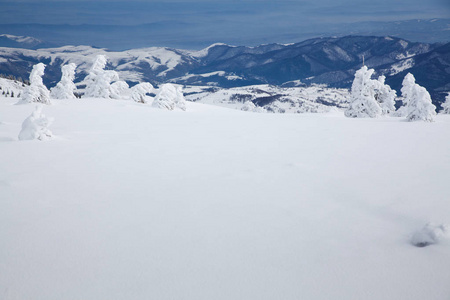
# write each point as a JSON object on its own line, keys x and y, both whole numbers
{"x": 132, "y": 65}
{"x": 133, "y": 202}
{"x": 315, "y": 99}
{"x": 11, "y": 88}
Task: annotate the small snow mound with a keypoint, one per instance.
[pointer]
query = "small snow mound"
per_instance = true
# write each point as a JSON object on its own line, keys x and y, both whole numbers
{"x": 35, "y": 127}
{"x": 430, "y": 234}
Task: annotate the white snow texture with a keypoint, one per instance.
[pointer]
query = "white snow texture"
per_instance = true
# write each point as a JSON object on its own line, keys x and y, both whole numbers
{"x": 135, "y": 202}
{"x": 35, "y": 127}
{"x": 65, "y": 88}
{"x": 36, "y": 91}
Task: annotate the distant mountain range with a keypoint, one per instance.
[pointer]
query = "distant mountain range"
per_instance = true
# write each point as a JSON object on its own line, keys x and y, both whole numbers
{"x": 179, "y": 34}
{"x": 331, "y": 61}
{"x": 25, "y": 42}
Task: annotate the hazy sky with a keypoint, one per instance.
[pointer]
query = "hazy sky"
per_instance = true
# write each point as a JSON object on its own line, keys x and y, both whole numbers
{"x": 224, "y": 11}
{"x": 204, "y": 20}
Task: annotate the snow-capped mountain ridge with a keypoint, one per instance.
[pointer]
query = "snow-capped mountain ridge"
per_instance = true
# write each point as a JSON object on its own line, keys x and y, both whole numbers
{"x": 21, "y": 39}
{"x": 330, "y": 61}
{"x": 18, "y": 41}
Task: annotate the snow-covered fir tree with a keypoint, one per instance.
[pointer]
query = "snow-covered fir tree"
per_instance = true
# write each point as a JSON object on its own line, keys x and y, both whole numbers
{"x": 119, "y": 90}
{"x": 98, "y": 82}
{"x": 417, "y": 101}
{"x": 35, "y": 127}
{"x": 36, "y": 91}
{"x": 169, "y": 97}
{"x": 139, "y": 91}
{"x": 385, "y": 96}
{"x": 446, "y": 105}
{"x": 65, "y": 88}
{"x": 363, "y": 103}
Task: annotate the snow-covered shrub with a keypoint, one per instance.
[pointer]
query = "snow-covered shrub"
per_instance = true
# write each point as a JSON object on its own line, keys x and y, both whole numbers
{"x": 363, "y": 103}
{"x": 250, "y": 106}
{"x": 35, "y": 127}
{"x": 430, "y": 234}
{"x": 98, "y": 82}
{"x": 65, "y": 88}
{"x": 385, "y": 96}
{"x": 119, "y": 90}
{"x": 169, "y": 97}
{"x": 446, "y": 105}
{"x": 139, "y": 90}
{"x": 36, "y": 91}
{"x": 417, "y": 101}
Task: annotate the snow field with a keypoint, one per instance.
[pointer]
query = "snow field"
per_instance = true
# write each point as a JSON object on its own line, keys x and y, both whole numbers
{"x": 132, "y": 202}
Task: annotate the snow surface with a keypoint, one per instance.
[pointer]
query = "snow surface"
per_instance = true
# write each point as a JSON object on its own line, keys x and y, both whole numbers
{"x": 132, "y": 202}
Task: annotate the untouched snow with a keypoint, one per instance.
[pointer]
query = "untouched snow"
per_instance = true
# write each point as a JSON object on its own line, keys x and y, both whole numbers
{"x": 132, "y": 202}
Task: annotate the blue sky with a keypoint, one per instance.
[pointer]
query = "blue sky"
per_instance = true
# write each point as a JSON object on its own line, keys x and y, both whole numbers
{"x": 255, "y": 21}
